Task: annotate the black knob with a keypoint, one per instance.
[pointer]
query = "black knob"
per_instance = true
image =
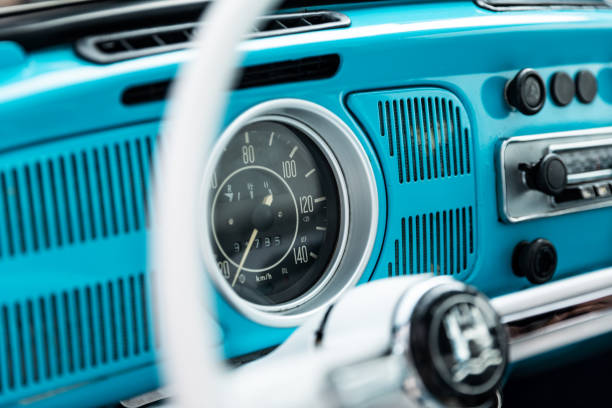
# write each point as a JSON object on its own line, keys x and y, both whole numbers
{"x": 526, "y": 92}
{"x": 586, "y": 86}
{"x": 549, "y": 175}
{"x": 536, "y": 260}
{"x": 562, "y": 88}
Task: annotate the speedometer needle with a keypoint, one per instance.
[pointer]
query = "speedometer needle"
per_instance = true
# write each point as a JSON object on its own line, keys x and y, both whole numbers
{"x": 266, "y": 201}
{"x": 244, "y": 256}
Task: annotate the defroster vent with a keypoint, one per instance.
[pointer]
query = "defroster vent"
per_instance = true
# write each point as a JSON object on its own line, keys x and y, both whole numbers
{"x": 107, "y": 48}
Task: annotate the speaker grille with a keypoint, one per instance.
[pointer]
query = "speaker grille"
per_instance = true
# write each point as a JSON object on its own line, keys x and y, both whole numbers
{"x": 423, "y": 138}
{"x": 440, "y": 243}
{"x": 74, "y": 330}
{"x": 73, "y": 197}
{"x": 74, "y": 299}
{"x": 426, "y": 136}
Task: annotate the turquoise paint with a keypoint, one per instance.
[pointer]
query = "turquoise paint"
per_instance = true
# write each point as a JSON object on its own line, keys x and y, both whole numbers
{"x": 56, "y": 104}
{"x": 11, "y": 55}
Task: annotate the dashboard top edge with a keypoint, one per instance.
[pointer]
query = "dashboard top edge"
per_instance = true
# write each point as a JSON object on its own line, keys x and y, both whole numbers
{"x": 466, "y": 17}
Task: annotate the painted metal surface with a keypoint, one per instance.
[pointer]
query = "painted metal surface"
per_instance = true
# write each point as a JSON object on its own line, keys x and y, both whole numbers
{"x": 52, "y": 105}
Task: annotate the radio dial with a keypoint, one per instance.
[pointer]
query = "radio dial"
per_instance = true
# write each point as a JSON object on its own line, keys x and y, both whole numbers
{"x": 549, "y": 175}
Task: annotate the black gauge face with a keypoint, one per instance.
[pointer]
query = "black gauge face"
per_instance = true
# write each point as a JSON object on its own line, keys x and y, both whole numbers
{"x": 275, "y": 213}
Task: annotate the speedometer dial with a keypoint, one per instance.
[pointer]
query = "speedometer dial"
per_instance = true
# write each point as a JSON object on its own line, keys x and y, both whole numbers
{"x": 275, "y": 212}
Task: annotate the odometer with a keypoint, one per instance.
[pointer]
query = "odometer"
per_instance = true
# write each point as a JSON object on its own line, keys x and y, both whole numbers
{"x": 275, "y": 212}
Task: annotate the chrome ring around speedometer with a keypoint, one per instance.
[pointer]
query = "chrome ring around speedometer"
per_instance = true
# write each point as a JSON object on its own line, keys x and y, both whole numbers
{"x": 291, "y": 217}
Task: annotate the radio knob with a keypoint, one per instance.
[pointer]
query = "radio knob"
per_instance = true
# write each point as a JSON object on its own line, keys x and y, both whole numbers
{"x": 549, "y": 175}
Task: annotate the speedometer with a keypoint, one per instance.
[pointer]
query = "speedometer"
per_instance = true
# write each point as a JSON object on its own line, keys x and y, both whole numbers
{"x": 275, "y": 212}
{"x": 289, "y": 211}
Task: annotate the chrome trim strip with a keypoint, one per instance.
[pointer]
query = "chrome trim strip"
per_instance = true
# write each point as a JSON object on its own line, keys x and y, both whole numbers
{"x": 564, "y": 304}
{"x": 585, "y": 144}
{"x": 40, "y": 5}
{"x": 554, "y": 319}
{"x": 550, "y": 316}
{"x": 559, "y": 335}
{"x": 589, "y": 176}
{"x": 541, "y": 5}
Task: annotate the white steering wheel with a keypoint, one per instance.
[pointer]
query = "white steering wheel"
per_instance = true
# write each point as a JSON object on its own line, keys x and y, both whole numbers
{"x": 197, "y": 103}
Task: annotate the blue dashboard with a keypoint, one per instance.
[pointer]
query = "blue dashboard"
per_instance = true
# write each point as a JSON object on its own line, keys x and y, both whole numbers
{"x": 77, "y": 321}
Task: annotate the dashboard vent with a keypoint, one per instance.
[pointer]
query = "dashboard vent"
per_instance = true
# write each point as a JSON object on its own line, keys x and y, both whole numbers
{"x": 426, "y": 136}
{"x": 76, "y": 196}
{"x": 137, "y": 43}
{"x": 304, "y": 69}
{"x": 61, "y": 334}
{"x": 440, "y": 243}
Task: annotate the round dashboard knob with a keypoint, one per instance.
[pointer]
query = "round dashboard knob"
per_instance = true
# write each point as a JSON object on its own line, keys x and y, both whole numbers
{"x": 586, "y": 86}
{"x": 549, "y": 175}
{"x": 562, "y": 88}
{"x": 536, "y": 260}
{"x": 459, "y": 346}
{"x": 526, "y": 92}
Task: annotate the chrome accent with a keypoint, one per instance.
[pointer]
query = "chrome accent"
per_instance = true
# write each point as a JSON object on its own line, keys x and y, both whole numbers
{"x": 401, "y": 323}
{"x": 147, "y": 398}
{"x": 413, "y": 385}
{"x": 499, "y": 400}
{"x": 408, "y": 301}
{"x": 519, "y": 203}
{"x": 550, "y": 316}
{"x": 87, "y": 47}
{"x": 584, "y": 144}
{"x": 545, "y": 5}
{"x": 358, "y": 202}
{"x": 589, "y": 176}
{"x": 39, "y": 5}
{"x": 373, "y": 382}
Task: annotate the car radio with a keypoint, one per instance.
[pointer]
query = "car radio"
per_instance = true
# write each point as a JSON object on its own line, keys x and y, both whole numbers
{"x": 556, "y": 173}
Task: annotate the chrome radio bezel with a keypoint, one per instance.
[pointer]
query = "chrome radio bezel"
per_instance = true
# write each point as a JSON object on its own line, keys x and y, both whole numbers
{"x": 516, "y": 201}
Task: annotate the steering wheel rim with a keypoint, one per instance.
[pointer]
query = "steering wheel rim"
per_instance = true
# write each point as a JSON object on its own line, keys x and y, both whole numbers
{"x": 198, "y": 100}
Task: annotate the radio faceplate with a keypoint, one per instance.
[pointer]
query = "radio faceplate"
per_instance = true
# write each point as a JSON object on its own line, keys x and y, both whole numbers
{"x": 583, "y": 161}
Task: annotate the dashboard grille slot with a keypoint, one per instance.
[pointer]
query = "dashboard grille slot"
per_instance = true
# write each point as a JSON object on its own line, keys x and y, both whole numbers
{"x": 438, "y": 243}
{"x": 75, "y": 197}
{"x": 114, "y": 47}
{"x": 423, "y": 137}
{"x": 304, "y": 69}
{"x": 426, "y": 136}
{"x": 63, "y": 333}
